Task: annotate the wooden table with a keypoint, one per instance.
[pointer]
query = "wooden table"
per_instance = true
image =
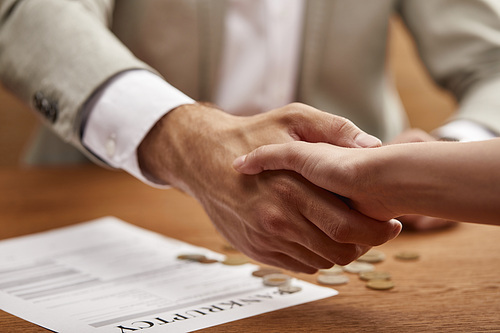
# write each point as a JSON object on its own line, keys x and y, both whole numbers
{"x": 453, "y": 287}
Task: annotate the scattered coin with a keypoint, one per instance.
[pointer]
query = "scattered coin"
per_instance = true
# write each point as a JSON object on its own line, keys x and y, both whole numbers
{"x": 235, "y": 260}
{"x": 208, "y": 261}
{"x": 367, "y": 276}
{"x": 335, "y": 270}
{"x": 372, "y": 256}
{"x": 265, "y": 271}
{"x": 275, "y": 280}
{"x": 407, "y": 255}
{"x": 289, "y": 289}
{"x": 229, "y": 247}
{"x": 332, "y": 279}
{"x": 380, "y": 284}
{"x": 358, "y": 267}
{"x": 192, "y": 257}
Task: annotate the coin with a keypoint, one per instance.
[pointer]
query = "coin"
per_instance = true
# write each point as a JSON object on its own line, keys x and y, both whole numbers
{"x": 229, "y": 247}
{"x": 367, "y": 276}
{"x": 332, "y": 279}
{"x": 289, "y": 289}
{"x": 208, "y": 261}
{"x": 191, "y": 256}
{"x": 275, "y": 280}
{"x": 380, "y": 284}
{"x": 372, "y": 256}
{"x": 235, "y": 260}
{"x": 407, "y": 255}
{"x": 358, "y": 267}
{"x": 265, "y": 271}
{"x": 335, "y": 270}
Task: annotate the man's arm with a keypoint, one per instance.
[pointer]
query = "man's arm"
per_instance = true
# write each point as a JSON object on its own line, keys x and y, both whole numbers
{"x": 56, "y": 54}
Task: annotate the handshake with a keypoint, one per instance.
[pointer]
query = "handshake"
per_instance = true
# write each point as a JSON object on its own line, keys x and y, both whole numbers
{"x": 310, "y": 189}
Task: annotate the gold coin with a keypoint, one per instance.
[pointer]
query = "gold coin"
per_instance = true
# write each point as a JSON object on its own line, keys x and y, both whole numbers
{"x": 332, "y": 279}
{"x": 235, "y": 260}
{"x": 265, "y": 271}
{"x": 228, "y": 247}
{"x": 407, "y": 255}
{"x": 367, "y": 276}
{"x": 191, "y": 256}
{"x": 335, "y": 270}
{"x": 372, "y": 256}
{"x": 289, "y": 289}
{"x": 380, "y": 284}
{"x": 208, "y": 261}
{"x": 358, "y": 267}
{"x": 275, "y": 280}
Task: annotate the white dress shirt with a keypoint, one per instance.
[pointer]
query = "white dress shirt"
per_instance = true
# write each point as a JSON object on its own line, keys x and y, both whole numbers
{"x": 262, "y": 34}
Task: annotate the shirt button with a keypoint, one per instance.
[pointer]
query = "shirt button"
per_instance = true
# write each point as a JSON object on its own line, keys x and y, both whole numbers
{"x": 111, "y": 146}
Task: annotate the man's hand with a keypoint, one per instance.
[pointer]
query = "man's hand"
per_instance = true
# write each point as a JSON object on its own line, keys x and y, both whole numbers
{"x": 277, "y": 217}
{"x": 420, "y": 222}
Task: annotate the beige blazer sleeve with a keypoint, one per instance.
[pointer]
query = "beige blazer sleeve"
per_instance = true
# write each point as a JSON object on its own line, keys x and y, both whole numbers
{"x": 459, "y": 42}
{"x": 55, "y": 54}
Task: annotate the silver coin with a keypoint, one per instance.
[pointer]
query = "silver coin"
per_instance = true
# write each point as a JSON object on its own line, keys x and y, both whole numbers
{"x": 372, "y": 256}
{"x": 358, "y": 267}
{"x": 263, "y": 271}
{"x": 289, "y": 289}
{"x": 335, "y": 270}
{"x": 277, "y": 279}
{"x": 332, "y": 279}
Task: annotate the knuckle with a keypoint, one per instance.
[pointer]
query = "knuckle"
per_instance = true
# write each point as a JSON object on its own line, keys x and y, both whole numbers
{"x": 341, "y": 125}
{"x": 293, "y": 112}
{"x": 273, "y": 222}
{"x": 283, "y": 186}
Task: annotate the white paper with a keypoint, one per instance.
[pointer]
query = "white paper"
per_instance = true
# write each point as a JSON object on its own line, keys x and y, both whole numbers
{"x": 110, "y": 276}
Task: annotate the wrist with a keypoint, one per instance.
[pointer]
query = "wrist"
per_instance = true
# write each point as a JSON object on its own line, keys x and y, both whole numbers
{"x": 384, "y": 179}
{"x": 178, "y": 149}
{"x": 158, "y": 154}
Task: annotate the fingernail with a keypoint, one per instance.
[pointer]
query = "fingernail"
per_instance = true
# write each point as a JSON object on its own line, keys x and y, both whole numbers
{"x": 367, "y": 141}
{"x": 398, "y": 226}
{"x": 239, "y": 161}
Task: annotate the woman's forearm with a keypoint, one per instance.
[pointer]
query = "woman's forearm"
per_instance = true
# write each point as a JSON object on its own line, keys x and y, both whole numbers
{"x": 459, "y": 181}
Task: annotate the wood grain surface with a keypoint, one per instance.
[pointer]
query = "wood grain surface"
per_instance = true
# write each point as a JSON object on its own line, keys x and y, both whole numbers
{"x": 453, "y": 287}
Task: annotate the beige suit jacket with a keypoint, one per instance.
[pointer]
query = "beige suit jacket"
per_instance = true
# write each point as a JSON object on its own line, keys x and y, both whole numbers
{"x": 55, "y": 54}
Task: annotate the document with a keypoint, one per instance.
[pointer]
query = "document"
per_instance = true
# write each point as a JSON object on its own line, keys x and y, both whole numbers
{"x": 107, "y": 275}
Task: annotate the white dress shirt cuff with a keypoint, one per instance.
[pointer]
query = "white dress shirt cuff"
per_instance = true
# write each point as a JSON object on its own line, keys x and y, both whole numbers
{"x": 123, "y": 112}
{"x": 464, "y": 131}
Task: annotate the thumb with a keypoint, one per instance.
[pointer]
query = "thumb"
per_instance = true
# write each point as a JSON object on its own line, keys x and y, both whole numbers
{"x": 319, "y": 126}
{"x": 287, "y": 156}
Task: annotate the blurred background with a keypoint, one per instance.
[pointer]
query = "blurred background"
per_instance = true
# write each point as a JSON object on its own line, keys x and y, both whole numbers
{"x": 427, "y": 105}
